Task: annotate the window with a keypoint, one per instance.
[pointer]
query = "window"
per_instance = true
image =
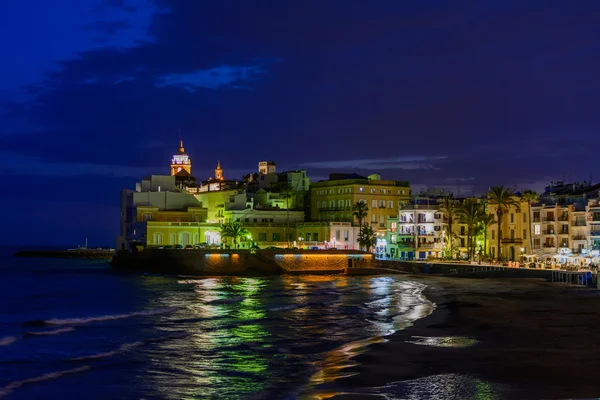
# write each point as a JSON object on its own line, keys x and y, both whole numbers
{"x": 146, "y": 217}
{"x": 362, "y": 201}
{"x": 493, "y": 235}
{"x": 389, "y": 191}
{"x": 524, "y": 218}
{"x": 381, "y": 203}
{"x": 346, "y": 235}
{"x": 390, "y": 204}
{"x": 537, "y": 229}
{"x": 400, "y": 191}
{"x": 524, "y": 233}
{"x": 382, "y": 191}
{"x": 316, "y": 236}
{"x": 373, "y": 190}
{"x": 331, "y": 191}
{"x": 158, "y": 238}
{"x": 337, "y": 235}
{"x": 276, "y": 237}
{"x": 308, "y": 237}
{"x": 393, "y": 227}
{"x": 332, "y": 204}
{"x": 512, "y": 218}
{"x": 393, "y": 239}
{"x": 340, "y": 190}
{"x": 373, "y": 203}
{"x": 348, "y": 203}
{"x": 382, "y": 220}
{"x": 262, "y": 236}
{"x": 340, "y": 204}
{"x": 373, "y": 218}
{"x": 512, "y": 234}
{"x": 362, "y": 190}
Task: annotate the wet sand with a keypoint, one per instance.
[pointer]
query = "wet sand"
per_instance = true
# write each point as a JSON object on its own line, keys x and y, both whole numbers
{"x": 540, "y": 339}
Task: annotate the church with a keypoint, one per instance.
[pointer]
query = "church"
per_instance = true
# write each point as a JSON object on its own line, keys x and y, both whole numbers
{"x": 181, "y": 169}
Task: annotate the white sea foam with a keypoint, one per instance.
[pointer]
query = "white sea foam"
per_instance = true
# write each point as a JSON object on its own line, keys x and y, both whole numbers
{"x": 6, "y": 340}
{"x": 121, "y": 349}
{"x": 8, "y": 389}
{"x": 87, "y": 320}
{"x": 52, "y": 332}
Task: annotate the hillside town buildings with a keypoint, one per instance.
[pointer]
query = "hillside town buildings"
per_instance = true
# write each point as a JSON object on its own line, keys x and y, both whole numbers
{"x": 285, "y": 209}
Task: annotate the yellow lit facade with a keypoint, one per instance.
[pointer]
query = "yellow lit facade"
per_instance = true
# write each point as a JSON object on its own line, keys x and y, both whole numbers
{"x": 332, "y": 200}
{"x": 516, "y": 232}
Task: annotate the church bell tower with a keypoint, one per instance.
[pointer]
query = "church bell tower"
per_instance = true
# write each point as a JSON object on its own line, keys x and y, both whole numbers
{"x": 181, "y": 161}
{"x": 218, "y": 172}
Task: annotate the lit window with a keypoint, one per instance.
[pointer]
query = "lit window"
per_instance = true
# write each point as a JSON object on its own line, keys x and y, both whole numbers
{"x": 362, "y": 190}
{"x": 537, "y": 229}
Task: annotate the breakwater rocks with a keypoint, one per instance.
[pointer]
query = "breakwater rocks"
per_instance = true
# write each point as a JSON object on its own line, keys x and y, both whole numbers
{"x": 241, "y": 262}
{"x": 100, "y": 254}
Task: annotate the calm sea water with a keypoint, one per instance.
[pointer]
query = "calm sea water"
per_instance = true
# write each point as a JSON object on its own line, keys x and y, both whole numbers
{"x": 76, "y": 329}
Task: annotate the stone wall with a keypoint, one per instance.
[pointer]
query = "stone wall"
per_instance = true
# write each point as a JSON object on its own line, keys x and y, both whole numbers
{"x": 240, "y": 262}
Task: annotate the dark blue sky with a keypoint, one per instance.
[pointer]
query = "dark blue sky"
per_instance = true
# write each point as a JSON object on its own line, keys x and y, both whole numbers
{"x": 440, "y": 93}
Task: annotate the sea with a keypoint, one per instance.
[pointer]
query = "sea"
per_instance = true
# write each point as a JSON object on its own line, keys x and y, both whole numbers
{"x": 76, "y": 329}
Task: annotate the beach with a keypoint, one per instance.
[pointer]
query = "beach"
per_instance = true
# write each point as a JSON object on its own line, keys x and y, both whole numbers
{"x": 533, "y": 338}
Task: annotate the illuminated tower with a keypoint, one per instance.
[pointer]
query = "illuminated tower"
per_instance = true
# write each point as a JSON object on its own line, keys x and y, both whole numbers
{"x": 218, "y": 172}
{"x": 181, "y": 161}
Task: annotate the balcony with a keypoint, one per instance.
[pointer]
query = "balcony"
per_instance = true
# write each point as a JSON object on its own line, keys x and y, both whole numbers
{"x": 578, "y": 223}
{"x": 548, "y": 219}
{"x": 548, "y": 245}
{"x": 595, "y": 217}
{"x": 406, "y": 234}
{"x": 512, "y": 240}
{"x": 536, "y": 219}
{"x": 579, "y": 237}
{"x": 423, "y": 221}
{"x": 595, "y": 233}
{"x": 563, "y": 218}
{"x": 548, "y": 232}
{"x": 563, "y": 232}
{"x": 406, "y": 221}
{"x": 430, "y": 246}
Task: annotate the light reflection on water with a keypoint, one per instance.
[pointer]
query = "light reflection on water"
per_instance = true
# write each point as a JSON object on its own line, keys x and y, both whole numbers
{"x": 271, "y": 337}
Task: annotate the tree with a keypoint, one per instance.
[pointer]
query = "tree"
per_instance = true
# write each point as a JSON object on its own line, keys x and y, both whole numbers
{"x": 449, "y": 210}
{"x": 287, "y": 192}
{"x": 233, "y": 230}
{"x": 360, "y": 210}
{"x": 485, "y": 222}
{"x": 503, "y": 198}
{"x": 470, "y": 213}
{"x": 530, "y": 197}
{"x": 367, "y": 238}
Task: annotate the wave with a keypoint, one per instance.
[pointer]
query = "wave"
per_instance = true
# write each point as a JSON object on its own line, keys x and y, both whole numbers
{"x": 52, "y": 332}
{"x": 87, "y": 320}
{"x": 121, "y": 349}
{"x": 6, "y": 390}
{"x": 6, "y": 340}
{"x": 129, "y": 346}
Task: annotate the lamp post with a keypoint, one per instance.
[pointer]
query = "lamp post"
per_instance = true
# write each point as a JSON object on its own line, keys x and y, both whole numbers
{"x": 522, "y": 253}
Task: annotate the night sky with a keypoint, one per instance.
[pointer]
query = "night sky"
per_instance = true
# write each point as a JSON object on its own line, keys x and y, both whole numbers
{"x": 459, "y": 94}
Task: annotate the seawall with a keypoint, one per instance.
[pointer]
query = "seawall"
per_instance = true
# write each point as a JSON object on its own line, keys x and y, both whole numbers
{"x": 463, "y": 270}
{"x": 241, "y": 262}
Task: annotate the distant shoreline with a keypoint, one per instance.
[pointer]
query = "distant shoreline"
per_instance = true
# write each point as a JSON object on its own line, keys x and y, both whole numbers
{"x": 96, "y": 254}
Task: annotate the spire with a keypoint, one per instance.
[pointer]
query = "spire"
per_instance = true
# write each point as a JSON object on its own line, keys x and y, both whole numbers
{"x": 181, "y": 149}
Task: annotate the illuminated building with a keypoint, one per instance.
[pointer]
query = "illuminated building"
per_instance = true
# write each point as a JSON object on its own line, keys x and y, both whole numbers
{"x": 516, "y": 231}
{"x": 181, "y": 161}
{"x": 339, "y": 235}
{"x": 332, "y": 200}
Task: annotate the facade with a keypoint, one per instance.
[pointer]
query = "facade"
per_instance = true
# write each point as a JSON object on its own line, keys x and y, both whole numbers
{"x": 417, "y": 233}
{"x": 516, "y": 232}
{"x": 593, "y": 219}
{"x": 153, "y": 216}
{"x": 325, "y": 235}
{"x": 332, "y": 200}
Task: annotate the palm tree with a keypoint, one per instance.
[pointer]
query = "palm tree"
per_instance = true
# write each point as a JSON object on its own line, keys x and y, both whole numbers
{"x": 485, "y": 222}
{"x": 233, "y": 230}
{"x": 530, "y": 197}
{"x": 367, "y": 238}
{"x": 360, "y": 210}
{"x": 287, "y": 192}
{"x": 449, "y": 209}
{"x": 470, "y": 214}
{"x": 503, "y": 198}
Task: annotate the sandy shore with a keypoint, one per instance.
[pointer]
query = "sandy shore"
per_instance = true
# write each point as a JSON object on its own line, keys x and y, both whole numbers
{"x": 541, "y": 340}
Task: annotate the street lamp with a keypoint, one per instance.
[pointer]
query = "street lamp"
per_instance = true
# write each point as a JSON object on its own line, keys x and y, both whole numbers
{"x": 523, "y": 253}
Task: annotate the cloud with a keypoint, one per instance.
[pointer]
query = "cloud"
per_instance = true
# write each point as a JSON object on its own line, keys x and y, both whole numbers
{"x": 108, "y": 28}
{"x": 118, "y": 4}
{"x": 401, "y": 162}
{"x": 212, "y": 78}
{"x": 22, "y": 165}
